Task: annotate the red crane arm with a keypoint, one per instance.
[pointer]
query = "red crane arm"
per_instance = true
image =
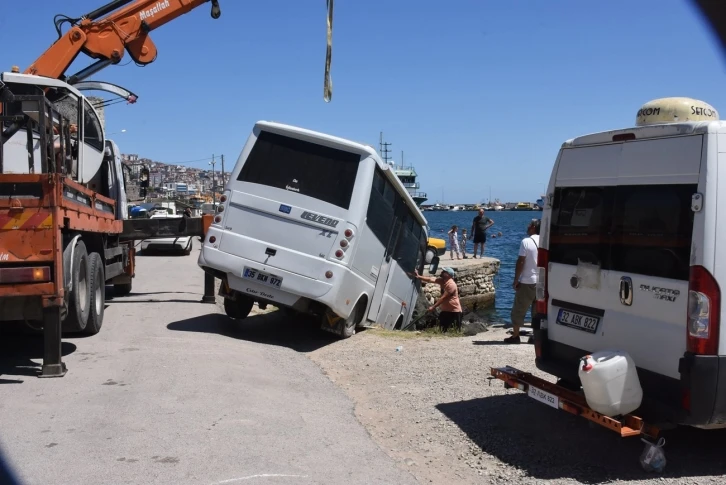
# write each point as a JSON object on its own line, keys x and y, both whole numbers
{"x": 105, "y": 37}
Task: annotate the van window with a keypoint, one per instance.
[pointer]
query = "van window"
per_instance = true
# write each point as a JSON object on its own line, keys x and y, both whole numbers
{"x": 324, "y": 173}
{"x": 581, "y": 221}
{"x": 652, "y": 230}
{"x": 639, "y": 229}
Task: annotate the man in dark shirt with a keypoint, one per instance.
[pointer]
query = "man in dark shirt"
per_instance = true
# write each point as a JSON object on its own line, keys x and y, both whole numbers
{"x": 479, "y": 230}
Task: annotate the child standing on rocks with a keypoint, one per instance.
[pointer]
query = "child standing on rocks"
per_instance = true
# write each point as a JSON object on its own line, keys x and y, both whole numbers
{"x": 454, "y": 242}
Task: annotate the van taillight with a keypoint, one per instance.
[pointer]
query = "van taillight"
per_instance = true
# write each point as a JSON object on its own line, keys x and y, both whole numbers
{"x": 704, "y": 310}
{"x": 543, "y": 296}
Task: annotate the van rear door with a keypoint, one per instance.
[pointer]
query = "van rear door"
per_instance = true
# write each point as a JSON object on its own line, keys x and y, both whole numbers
{"x": 619, "y": 249}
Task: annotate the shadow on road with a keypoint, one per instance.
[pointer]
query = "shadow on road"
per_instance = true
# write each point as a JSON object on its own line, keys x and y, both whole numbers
{"x": 550, "y": 444}
{"x": 299, "y": 332}
{"x": 17, "y": 348}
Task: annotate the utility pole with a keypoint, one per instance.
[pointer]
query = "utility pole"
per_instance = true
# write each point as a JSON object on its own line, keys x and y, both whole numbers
{"x": 223, "y": 183}
{"x": 214, "y": 195}
{"x": 402, "y": 165}
{"x": 384, "y": 150}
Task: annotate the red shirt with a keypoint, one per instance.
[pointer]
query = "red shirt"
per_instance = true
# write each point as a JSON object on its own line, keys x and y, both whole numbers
{"x": 450, "y": 292}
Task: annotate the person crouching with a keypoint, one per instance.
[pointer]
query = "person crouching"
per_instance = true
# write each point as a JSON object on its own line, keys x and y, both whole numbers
{"x": 451, "y": 313}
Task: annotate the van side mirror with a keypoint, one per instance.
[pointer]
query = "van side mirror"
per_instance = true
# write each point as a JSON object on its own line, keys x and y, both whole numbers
{"x": 434, "y": 265}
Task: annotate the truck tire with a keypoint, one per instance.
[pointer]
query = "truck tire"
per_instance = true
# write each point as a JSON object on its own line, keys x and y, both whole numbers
{"x": 239, "y": 308}
{"x": 80, "y": 295}
{"x": 97, "y": 284}
{"x": 121, "y": 289}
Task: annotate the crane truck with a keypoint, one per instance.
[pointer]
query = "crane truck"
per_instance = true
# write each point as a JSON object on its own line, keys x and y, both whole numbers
{"x": 64, "y": 231}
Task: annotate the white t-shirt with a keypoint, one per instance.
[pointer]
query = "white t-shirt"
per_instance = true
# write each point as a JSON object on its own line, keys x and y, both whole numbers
{"x": 528, "y": 249}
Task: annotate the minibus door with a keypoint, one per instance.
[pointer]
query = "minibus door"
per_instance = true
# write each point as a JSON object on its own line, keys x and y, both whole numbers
{"x": 384, "y": 272}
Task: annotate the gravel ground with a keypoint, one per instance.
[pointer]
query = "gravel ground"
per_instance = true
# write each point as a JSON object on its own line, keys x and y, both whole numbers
{"x": 433, "y": 409}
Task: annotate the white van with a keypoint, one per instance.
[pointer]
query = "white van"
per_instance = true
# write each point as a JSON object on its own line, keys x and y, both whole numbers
{"x": 629, "y": 258}
{"x": 317, "y": 224}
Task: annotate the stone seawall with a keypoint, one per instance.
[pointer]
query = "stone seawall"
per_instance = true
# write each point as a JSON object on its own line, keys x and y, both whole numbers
{"x": 474, "y": 278}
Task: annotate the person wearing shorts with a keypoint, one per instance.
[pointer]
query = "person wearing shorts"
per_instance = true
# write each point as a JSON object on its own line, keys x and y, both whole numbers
{"x": 451, "y": 313}
{"x": 525, "y": 280}
{"x": 479, "y": 227}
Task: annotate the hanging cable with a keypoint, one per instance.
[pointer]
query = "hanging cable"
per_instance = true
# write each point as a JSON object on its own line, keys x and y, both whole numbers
{"x": 328, "y": 83}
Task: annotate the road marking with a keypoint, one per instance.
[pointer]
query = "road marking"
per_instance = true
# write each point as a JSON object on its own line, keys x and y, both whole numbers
{"x": 263, "y": 475}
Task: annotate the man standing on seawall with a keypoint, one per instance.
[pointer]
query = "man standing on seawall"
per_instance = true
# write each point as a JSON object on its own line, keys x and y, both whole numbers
{"x": 525, "y": 279}
{"x": 479, "y": 229}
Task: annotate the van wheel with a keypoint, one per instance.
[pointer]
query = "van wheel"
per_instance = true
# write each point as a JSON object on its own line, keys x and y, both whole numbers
{"x": 80, "y": 297}
{"x": 239, "y": 308}
{"x": 97, "y": 284}
{"x": 430, "y": 253}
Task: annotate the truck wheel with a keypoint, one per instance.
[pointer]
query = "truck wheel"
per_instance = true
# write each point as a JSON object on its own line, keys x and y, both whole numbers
{"x": 80, "y": 295}
{"x": 121, "y": 289}
{"x": 98, "y": 294}
{"x": 239, "y": 308}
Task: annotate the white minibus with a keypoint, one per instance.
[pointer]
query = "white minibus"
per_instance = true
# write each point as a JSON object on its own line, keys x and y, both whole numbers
{"x": 316, "y": 224}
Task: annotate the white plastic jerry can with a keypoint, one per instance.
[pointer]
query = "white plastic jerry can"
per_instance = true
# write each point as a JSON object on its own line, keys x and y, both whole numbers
{"x": 610, "y": 381}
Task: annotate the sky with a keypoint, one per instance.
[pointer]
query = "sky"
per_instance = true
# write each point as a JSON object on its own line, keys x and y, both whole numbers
{"x": 478, "y": 94}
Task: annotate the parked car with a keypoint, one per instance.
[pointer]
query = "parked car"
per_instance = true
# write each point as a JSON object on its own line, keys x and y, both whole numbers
{"x": 178, "y": 244}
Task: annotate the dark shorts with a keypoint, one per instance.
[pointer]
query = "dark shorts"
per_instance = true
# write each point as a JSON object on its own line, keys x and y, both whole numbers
{"x": 480, "y": 238}
{"x": 447, "y": 319}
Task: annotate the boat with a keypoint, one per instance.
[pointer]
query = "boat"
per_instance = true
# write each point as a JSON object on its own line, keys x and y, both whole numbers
{"x": 522, "y": 206}
{"x": 540, "y": 202}
{"x": 407, "y": 175}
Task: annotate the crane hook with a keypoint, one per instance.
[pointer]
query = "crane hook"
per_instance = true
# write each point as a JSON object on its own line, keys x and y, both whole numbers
{"x": 216, "y": 12}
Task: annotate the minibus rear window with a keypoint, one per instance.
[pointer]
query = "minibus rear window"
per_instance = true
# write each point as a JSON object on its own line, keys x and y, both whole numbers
{"x": 317, "y": 171}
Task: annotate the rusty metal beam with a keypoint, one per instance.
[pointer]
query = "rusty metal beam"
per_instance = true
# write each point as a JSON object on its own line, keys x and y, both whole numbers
{"x": 139, "y": 229}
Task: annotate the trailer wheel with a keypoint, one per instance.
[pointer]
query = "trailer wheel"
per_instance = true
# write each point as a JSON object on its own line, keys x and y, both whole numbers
{"x": 121, "y": 289}
{"x": 239, "y": 308}
{"x": 80, "y": 294}
{"x": 98, "y": 294}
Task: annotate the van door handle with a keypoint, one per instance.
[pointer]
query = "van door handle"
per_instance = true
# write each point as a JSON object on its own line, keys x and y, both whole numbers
{"x": 626, "y": 290}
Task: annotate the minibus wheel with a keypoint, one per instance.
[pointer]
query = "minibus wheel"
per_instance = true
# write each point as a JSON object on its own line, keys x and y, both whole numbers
{"x": 355, "y": 317}
{"x": 238, "y": 308}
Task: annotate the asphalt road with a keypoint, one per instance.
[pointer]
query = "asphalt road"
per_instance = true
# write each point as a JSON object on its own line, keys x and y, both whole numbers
{"x": 168, "y": 393}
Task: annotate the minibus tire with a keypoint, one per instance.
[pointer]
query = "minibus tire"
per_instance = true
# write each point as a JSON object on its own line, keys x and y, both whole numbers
{"x": 350, "y": 323}
{"x": 239, "y": 308}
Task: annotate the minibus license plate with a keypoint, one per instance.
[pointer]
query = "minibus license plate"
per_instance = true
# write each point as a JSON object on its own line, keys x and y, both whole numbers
{"x": 578, "y": 320}
{"x": 544, "y": 397}
{"x": 262, "y": 277}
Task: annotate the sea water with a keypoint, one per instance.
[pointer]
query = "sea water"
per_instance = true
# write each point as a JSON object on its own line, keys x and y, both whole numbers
{"x": 512, "y": 225}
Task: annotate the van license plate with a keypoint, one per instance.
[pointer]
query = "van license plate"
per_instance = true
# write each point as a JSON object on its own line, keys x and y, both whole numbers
{"x": 544, "y": 397}
{"x": 578, "y": 320}
{"x": 262, "y": 277}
